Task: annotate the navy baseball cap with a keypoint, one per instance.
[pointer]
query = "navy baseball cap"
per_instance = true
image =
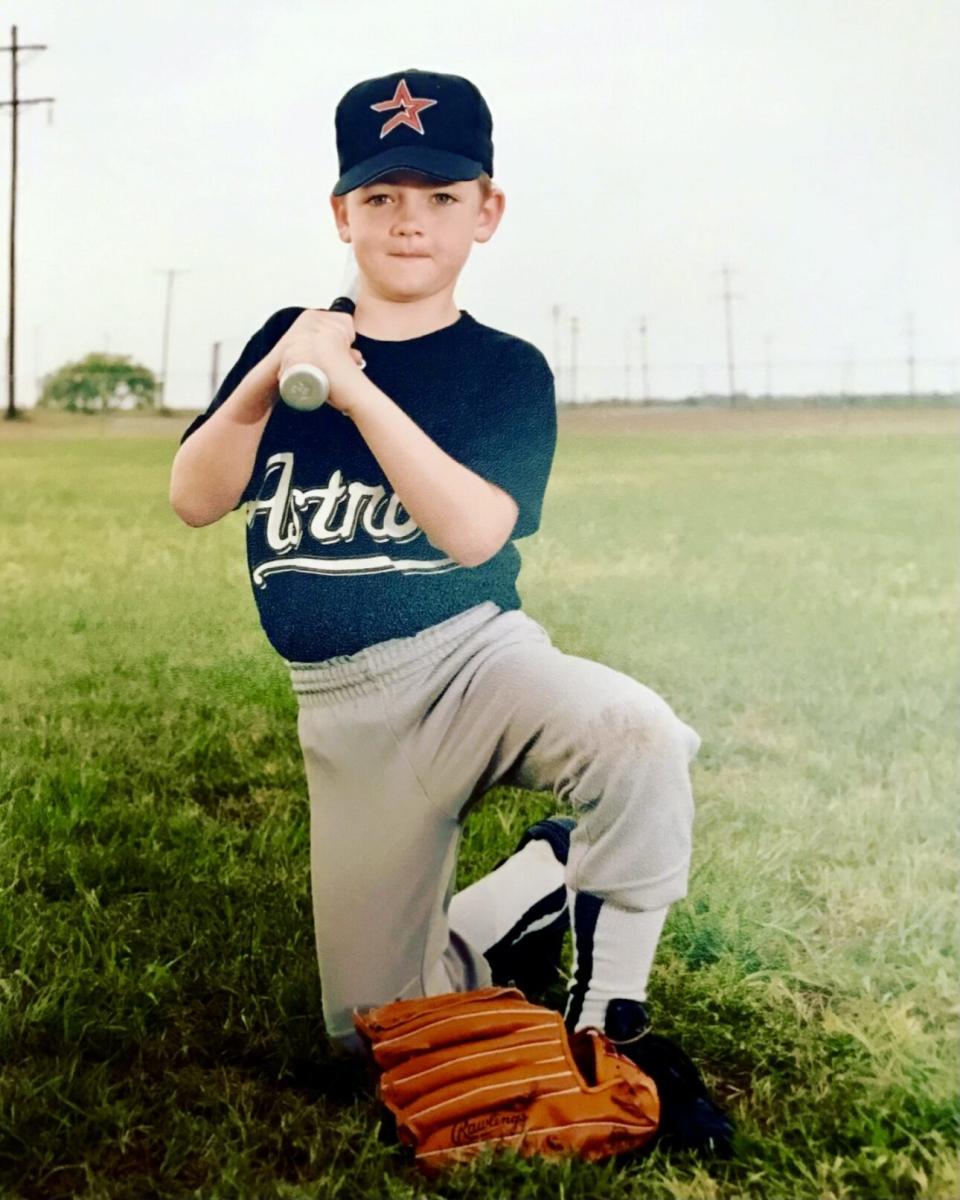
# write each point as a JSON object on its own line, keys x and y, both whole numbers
{"x": 421, "y": 120}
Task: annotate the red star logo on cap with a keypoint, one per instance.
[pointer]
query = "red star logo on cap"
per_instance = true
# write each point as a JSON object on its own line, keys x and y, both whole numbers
{"x": 411, "y": 109}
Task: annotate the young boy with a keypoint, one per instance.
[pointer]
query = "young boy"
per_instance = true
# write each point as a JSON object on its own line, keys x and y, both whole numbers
{"x": 380, "y": 544}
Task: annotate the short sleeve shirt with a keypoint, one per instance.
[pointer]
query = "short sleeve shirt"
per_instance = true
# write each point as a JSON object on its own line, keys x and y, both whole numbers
{"x": 335, "y": 561}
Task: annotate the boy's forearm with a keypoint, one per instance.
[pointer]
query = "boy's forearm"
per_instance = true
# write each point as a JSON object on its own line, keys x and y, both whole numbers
{"x": 212, "y": 467}
{"x": 461, "y": 513}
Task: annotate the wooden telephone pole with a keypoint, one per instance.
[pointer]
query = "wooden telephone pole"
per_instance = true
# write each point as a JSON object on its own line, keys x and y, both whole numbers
{"x": 728, "y": 296}
{"x": 15, "y": 103}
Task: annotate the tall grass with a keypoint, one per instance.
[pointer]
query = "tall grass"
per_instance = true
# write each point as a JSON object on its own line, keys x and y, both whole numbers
{"x": 793, "y": 596}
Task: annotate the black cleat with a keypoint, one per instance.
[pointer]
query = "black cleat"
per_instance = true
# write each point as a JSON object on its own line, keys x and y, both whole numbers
{"x": 528, "y": 955}
{"x": 689, "y": 1119}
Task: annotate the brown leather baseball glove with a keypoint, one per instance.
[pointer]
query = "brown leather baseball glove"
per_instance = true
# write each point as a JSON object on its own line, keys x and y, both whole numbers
{"x": 487, "y": 1068}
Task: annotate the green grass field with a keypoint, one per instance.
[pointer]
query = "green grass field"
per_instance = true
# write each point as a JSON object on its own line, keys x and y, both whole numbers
{"x": 789, "y": 585}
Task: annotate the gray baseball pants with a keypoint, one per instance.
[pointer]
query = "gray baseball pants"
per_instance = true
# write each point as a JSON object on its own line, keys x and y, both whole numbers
{"x": 401, "y": 738}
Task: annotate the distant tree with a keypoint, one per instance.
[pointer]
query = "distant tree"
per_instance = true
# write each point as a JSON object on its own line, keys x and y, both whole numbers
{"x": 100, "y": 383}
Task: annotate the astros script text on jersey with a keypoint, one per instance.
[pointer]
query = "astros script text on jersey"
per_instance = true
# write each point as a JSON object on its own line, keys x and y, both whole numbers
{"x": 335, "y": 561}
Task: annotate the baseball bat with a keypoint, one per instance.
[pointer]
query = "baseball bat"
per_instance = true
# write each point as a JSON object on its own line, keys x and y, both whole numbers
{"x": 305, "y": 386}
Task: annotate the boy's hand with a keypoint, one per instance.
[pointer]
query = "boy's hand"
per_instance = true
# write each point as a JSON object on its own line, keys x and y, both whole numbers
{"x": 323, "y": 339}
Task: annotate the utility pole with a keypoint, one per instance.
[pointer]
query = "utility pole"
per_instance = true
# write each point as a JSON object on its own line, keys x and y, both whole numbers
{"x": 166, "y": 335}
{"x": 36, "y": 360}
{"x": 644, "y": 372}
{"x": 574, "y": 330}
{"x": 215, "y": 370}
{"x": 727, "y": 298}
{"x": 767, "y": 370}
{"x": 555, "y": 313}
{"x": 626, "y": 365}
{"x": 846, "y": 389}
{"x": 15, "y": 103}
{"x": 911, "y": 361}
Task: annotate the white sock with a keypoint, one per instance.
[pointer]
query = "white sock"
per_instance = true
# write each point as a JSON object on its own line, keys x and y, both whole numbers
{"x": 613, "y": 950}
{"x": 487, "y": 910}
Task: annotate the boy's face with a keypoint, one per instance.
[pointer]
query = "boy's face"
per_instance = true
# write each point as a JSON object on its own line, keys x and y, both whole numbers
{"x": 411, "y": 234}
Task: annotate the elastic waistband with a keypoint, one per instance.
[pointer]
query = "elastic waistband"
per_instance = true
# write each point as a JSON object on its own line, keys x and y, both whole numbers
{"x": 384, "y": 662}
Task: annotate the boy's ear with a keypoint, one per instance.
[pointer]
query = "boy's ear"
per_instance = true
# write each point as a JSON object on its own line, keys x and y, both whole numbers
{"x": 491, "y": 210}
{"x": 339, "y": 206}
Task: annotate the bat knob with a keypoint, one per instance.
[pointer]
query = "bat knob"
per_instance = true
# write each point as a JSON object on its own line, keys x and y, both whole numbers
{"x": 304, "y": 387}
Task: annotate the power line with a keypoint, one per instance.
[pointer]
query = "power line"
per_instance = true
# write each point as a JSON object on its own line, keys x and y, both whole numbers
{"x": 15, "y": 104}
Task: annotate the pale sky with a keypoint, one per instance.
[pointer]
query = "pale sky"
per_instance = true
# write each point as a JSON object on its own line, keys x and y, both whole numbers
{"x": 811, "y": 144}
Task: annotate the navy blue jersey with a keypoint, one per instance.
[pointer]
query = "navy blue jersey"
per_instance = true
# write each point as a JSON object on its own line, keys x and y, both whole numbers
{"x": 336, "y": 563}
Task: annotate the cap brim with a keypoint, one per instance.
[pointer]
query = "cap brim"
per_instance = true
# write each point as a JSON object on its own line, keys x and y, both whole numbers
{"x": 440, "y": 164}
